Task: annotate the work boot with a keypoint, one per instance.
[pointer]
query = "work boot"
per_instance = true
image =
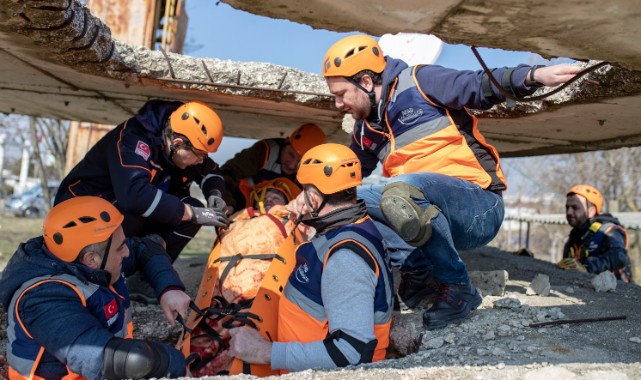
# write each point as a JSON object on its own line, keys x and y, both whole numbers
{"x": 417, "y": 287}
{"x": 404, "y": 216}
{"x": 140, "y": 289}
{"x": 453, "y": 304}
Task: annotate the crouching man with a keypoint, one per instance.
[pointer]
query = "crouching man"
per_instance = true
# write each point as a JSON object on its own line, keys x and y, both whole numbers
{"x": 67, "y": 304}
{"x": 598, "y": 242}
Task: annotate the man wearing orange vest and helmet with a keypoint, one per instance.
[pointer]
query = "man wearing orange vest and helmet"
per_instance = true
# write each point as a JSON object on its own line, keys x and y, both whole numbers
{"x": 266, "y": 160}
{"x": 145, "y": 167}
{"x": 598, "y": 242}
{"x": 445, "y": 191}
{"x": 336, "y": 307}
{"x": 68, "y": 308}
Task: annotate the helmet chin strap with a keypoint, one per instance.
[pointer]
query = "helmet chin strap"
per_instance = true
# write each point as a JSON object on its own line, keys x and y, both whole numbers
{"x": 170, "y": 136}
{"x": 308, "y": 202}
{"x": 371, "y": 94}
{"x": 101, "y": 276}
{"x": 106, "y": 256}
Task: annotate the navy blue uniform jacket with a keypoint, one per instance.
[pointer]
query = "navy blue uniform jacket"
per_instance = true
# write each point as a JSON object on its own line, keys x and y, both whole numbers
{"x": 130, "y": 168}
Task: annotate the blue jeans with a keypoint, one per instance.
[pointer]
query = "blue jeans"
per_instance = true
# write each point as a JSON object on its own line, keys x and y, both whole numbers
{"x": 470, "y": 218}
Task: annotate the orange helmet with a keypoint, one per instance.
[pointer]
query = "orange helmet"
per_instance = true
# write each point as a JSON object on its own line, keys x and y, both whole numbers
{"x": 78, "y": 222}
{"x": 590, "y": 193}
{"x": 331, "y": 168}
{"x": 306, "y": 137}
{"x": 282, "y": 184}
{"x": 200, "y": 124}
{"x": 352, "y": 55}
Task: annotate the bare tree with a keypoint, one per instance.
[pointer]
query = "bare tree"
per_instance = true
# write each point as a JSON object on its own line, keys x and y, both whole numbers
{"x": 55, "y": 137}
{"x": 52, "y": 135}
{"x": 616, "y": 173}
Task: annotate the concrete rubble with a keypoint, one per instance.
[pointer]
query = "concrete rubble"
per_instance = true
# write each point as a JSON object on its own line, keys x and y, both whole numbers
{"x": 604, "y": 282}
{"x": 497, "y": 341}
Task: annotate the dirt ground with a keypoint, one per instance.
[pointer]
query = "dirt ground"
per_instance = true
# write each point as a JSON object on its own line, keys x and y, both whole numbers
{"x": 495, "y": 342}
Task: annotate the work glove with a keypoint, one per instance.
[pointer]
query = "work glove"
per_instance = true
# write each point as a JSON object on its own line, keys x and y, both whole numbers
{"x": 209, "y": 217}
{"x": 216, "y": 202}
{"x": 571, "y": 264}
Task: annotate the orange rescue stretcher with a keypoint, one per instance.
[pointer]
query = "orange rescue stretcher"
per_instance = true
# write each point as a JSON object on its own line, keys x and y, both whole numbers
{"x": 245, "y": 275}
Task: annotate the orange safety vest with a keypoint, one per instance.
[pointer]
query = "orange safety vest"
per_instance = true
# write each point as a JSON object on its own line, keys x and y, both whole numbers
{"x": 439, "y": 140}
{"x": 302, "y": 319}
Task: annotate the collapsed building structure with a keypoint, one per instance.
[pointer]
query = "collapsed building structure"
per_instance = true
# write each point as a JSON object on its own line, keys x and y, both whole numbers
{"x": 59, "y": 60}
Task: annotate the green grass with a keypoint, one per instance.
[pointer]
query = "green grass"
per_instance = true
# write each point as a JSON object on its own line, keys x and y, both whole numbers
{"x": 201, "y": 244}
{"x": 14, "y": 231}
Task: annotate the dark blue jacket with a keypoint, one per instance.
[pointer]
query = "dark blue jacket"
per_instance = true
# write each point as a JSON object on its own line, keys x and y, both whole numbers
{"x": 129, "y": 167}
{"x": 52, "y": 313}
{"x": 601, "y": 244}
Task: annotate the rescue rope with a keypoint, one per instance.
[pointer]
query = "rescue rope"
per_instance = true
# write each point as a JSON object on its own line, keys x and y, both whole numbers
{"x": 507, "y": 94}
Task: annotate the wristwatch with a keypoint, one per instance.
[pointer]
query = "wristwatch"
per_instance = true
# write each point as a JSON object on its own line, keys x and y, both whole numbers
{"x": 531, "y": 81}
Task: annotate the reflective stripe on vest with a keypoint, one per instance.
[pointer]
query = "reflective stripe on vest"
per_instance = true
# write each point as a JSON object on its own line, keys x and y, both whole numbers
{"x": 427, "y": 137}
{"x": 592, "y": 241}
{"x": 21, "y": 367}
{"x": 302, "y": 317}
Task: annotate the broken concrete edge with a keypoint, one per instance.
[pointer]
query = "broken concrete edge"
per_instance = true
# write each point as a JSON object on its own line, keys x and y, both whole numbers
{"x": 609, "y": 81}
{"x": 68, "y": 34}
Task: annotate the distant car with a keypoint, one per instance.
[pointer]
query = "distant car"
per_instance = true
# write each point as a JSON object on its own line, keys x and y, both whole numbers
{"x": 30, "y": 203}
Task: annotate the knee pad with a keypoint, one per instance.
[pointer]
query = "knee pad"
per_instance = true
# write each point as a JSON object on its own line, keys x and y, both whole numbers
{"x": 411, "y": 222}
{"x": 134, "y": 359}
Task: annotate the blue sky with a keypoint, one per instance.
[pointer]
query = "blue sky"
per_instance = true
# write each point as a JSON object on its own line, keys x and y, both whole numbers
{"x": 220, "y": 31}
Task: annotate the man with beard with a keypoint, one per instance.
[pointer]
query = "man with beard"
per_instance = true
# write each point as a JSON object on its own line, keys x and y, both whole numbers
{"x": 598, "y": 242}
{"x": 446, "y": 180}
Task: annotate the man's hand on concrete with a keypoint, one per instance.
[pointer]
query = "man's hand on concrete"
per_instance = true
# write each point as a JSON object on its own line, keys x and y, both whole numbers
{"x": 555, "y": 75}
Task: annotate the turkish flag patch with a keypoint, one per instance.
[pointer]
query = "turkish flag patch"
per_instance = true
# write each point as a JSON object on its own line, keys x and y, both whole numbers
{"x": 111, "y": 309}
{"x": 367, "y": 143}
{"x": 142, "y": 149}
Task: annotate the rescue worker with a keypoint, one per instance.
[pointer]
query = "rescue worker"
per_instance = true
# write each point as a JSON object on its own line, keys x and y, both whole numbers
{"x": 598, "y": 242}
{"x": 265, "y": 160}
{"x": 68, "y": 309}
{"x": 145, "y": 167}
{"x": 445, "y": 191}
{"x": 337, "y": 304}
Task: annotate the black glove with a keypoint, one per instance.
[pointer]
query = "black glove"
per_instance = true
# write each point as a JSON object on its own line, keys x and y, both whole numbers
{"x": 209, "y": 217}
{"x": 216, "y": 202}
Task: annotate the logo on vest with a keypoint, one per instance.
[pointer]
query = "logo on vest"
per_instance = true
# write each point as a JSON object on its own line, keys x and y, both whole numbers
{"x": 301, "y": 273}
{"x": 410, "y": 115}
